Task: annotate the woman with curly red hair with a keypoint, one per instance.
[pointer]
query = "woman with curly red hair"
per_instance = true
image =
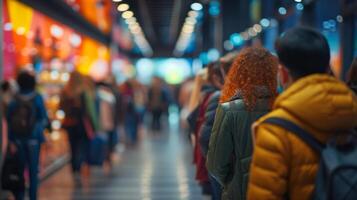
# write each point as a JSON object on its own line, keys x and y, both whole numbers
{"x": 248, "y": 93}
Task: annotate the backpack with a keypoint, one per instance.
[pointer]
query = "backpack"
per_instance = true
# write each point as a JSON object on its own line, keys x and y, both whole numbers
{"x": 23, "y": 117}
{"x": 336, "y": 178}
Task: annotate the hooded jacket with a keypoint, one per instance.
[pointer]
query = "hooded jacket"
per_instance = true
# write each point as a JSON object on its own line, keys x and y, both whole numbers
{"x": 283, "y": 165}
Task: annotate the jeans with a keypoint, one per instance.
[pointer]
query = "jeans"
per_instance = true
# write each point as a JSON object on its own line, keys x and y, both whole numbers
{"x": 113, "y": 139}
{"x": 29, "y": 155}
{"x": 131, "y": 127}
{"x": 216, "y": 188}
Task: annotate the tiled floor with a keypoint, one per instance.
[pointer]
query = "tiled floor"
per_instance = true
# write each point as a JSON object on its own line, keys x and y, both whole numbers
{"x": 159, "y": 168}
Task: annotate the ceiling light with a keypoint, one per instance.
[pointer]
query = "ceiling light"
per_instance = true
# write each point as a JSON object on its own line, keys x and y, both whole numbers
{"x": 188, "y": 28}
{"x": 339, "y": 18}
{"x": 252, "y": 32}
{"x": 196, "y": 6}
{"x": 298, "y": 1}
{"x": 236, "y": 39}
{"x": 123, "y": 7}
{"x": 136, "y": 31}
{"x": 228, "y": 45}
{"x": 131, "y": 20}
{"x": 193, "y": 14}
{"x": 245, "y": 35}
{"x": 257, "y": 28}
{"x": 190, "y": 20}
{"x": 264, "y": 22}
{"x": 127, "y": 14}
{"x": 300, "y": 6}
{"x": 56, "y": 31}
{"x": 282, "y": 11}
{"x": 75, "y": 40}
{"x": 135, "y": 27}
{"x": 117, "y": 0}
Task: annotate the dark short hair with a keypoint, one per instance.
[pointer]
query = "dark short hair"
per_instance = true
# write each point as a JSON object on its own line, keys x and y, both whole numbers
{"x": 5, "y": 86}
{"x": 26, "y": 81}
{"x": 303, "y": 51}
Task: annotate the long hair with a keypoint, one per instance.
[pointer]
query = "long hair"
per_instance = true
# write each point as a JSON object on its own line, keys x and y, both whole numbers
{"x": 253, "y": 68}
{"x": 75, "y": 85}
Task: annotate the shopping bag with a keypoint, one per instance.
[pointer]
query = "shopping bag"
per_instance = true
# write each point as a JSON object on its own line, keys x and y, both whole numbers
{"x": 98, "y": 148}
{"x": 12, "y": 177}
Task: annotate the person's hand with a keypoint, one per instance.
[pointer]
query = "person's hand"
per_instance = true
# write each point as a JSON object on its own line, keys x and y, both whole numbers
{"x": 193, "y": 139}
{"x": 12, "y": 148}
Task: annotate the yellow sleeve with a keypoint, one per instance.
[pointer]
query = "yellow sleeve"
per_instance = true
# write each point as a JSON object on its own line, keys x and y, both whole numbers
{"x": 269, "y": 168}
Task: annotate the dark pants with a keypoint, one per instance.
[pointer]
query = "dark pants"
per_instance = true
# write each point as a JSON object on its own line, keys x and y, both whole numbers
{"x": 131, "y": 127}
{"x": 113, "y": 139}
{"x": 216, "y": 188}
{"x": 79, "y": 144}
{"x": 156, "y": 119}
{"x": 29, "y": 155}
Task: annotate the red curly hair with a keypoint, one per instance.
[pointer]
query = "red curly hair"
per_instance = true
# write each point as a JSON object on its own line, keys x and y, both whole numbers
{"x": 253, "y": 68}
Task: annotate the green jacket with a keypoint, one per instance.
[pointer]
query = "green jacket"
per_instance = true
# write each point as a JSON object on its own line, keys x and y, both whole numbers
{"x": 230, "y": 147}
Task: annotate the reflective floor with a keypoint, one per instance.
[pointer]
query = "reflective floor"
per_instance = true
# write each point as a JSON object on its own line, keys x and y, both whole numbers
{"x": 159, "y": 167}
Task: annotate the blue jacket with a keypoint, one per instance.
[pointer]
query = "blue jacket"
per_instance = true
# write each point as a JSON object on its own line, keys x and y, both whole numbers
{"x": 41, "y": 117}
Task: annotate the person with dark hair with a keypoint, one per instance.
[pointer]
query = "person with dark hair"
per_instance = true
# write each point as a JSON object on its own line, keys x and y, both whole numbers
{"x": 27, "y": 119}
{"x": 283, "y": 165}
{"x": 352, "y": 76}
{"x": 247, "y": 94}
{"x": 206, "y": 89}
{"x": 216, "y": 75}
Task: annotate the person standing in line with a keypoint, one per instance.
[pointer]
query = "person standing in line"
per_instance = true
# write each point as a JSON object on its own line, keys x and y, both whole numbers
{"x": 27, "y": 118}
{"x": 107, "y": 108}
{"x": 248, "y": 93}
{"x": 76, "y": 119}
{"x": 217, "y": 79}
{"x": 131, "y": 117}
{"x": 196, "y": 120}
{"x": 283, "y": 165}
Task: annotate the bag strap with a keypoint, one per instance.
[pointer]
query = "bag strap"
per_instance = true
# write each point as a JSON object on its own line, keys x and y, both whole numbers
{"x": 298, "y": 131}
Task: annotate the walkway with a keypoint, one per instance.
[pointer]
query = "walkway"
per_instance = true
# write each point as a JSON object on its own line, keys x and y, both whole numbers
{"x": 159, "y": 168}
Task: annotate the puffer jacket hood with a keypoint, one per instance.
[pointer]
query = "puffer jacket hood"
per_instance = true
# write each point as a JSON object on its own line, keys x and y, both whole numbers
{"x": 320, "y": 102}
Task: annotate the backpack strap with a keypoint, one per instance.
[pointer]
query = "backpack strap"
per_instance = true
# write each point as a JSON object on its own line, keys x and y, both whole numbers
{"x": 298, "y": 131}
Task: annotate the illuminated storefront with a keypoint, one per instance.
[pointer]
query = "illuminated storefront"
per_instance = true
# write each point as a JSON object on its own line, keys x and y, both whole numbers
{"x": 34, "y": 41}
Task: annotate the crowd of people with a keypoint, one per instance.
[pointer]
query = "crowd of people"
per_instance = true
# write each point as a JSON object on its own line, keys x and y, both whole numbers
{"x": 253, "y": 140}
{"x": 97, "y": 115}
{"x": 258, "y": 122}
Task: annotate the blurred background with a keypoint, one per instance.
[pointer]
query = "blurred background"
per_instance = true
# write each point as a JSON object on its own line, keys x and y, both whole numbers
{"x": 141, "y": 39}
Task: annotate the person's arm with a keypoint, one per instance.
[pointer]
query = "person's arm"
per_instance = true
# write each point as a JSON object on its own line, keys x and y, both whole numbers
{"x": 206, "y": 129}
{"x": 219, "y": 158}
{"x": 269, "y": 171}
{"x": 43, "y": 116}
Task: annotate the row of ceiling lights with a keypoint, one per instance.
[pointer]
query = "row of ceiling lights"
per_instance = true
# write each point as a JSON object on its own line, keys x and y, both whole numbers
{"x": 188, "y": 28}
{"x": 134, "y": 27}
{"x": 237, "y": 39}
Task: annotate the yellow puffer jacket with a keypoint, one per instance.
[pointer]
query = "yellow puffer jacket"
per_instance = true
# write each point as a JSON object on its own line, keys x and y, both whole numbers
{"x": 282, "y": 163}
